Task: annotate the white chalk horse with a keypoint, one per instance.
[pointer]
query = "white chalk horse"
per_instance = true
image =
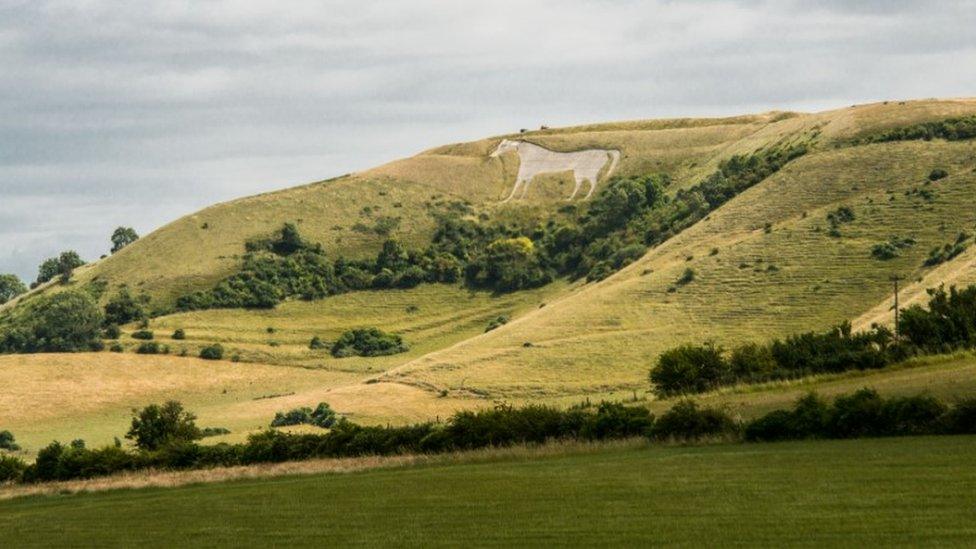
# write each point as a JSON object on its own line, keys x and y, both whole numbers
{"x": 535, "y": 160}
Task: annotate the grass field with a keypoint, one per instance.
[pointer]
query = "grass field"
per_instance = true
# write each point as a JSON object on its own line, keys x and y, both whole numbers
{"x": 888, "y": 492}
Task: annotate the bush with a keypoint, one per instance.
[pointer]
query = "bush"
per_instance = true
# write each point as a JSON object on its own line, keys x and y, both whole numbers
{"x": 323, "y": 416}
{"x": 497, "y": 322}
{"x": 938, "y": 174}
{"x": 179, "y": 334}
{"x": 123, "y": 308}
{"x": 11, "y": 469}
{"x": 686, "y": 277}
{"x": 10, "y": 287}
{"x": 613, "y": 421}
{"x": 7, "y": 441}
{"x": 212, "y": 352}
{"x": 689, "y": 369}
{"x": 752, "y": 361}
{"x": 857, "y": 415}
{"x": 61, "y": 266}
{"x": 961, "y": 419}
{"x": 155, "y": 426}
{"x": 144, "y": 335}
{"x": 149, "y": 348}
{"x": 860, "y": 414}
{"x": 116, "y": 348}
{"x": 317, "y": 344}
{"x": 67, "y": 321}
{"x": 368, "y": 342}
{"x": 208, "y": 432}
{"x": 949, "y": 321}
{"x": 112, "y": 331}
{"x": 686, "y": 421}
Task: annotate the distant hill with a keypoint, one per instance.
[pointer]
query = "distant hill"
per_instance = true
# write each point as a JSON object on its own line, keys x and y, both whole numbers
{"x": 766, "y": 263}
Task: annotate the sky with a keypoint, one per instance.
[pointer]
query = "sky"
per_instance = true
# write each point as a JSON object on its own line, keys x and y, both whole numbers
{"x": 136, "y": 113}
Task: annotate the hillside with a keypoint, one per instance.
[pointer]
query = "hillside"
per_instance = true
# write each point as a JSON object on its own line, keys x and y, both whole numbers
{"x": 766, "y": 263}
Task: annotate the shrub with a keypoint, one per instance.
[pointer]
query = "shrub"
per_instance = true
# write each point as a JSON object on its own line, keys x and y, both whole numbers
{"x": 961, "y": 419}
{"x": 915, "y": 415}
{"x": 123, "y": 308}
{"x": 686, "y": 421}
{"x": 937, "y": 174}
{"x": 317, "y": 344}
{"x": 410, "y": 278}
{"x": 7, "y": 441}
{"x": 67, "y": 321}
{"x": 11, "y": 468}
{"x": 857, "y": 415}
{"x": 155, "y": 426}
{"x": 149, "y": 348}
{"x": 841, "y": 215}
{"x": 323, "y": 416}
{"x": 10, "y": 287}
{"x": 613, "y": 420}
{"x": 112, "y": 331}
{"x": 497, "y": 322}
{"x": 208, "y": 432}
{"x": 949, "y": 321}
{"x": 179, "y": 334}
{"x": 368, "y": 342}
{"x": 212, "y": 352}
{"x": 689, "y": 369}
{"x": 116, "y": 348}
{"x": 686, "y": 277}
{"x": 61, "y": 266}
{"x": 144, "y": 335}
{"x": 752, "y": 361}
{"x": 860, "y": 414}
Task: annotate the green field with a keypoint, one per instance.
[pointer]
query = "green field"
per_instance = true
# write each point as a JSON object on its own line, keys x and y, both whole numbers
{"x": 890, "y": 492}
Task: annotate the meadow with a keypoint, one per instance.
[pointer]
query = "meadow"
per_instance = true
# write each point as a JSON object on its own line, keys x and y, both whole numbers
{"x": 890, "y": 492}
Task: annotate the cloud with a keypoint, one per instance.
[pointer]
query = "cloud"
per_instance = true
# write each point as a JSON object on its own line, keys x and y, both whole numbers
{"x": 132, "y": 113}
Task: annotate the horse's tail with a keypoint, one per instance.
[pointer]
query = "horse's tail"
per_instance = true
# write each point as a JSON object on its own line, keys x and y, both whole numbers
{"x": 614, "y": 159}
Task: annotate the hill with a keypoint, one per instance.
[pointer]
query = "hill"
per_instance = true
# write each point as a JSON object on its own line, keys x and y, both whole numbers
{"x": 767, "y": 260}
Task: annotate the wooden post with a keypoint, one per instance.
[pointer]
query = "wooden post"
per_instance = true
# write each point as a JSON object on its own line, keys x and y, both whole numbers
{"x": 895, "y": 279}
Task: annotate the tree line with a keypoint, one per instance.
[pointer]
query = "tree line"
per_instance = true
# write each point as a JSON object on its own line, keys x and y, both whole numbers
{"x": 165, "y": 435}
{"x": 948, "y": 323}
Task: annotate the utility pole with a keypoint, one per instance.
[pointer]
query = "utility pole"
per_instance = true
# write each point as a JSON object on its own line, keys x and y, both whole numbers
{"x": 895, "y": 279}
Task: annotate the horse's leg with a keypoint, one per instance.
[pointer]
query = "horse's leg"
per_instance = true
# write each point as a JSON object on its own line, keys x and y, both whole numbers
{"x": 579, "y": 183}
{"x": 514, "y": 189}
{"x": 592, "y": 182}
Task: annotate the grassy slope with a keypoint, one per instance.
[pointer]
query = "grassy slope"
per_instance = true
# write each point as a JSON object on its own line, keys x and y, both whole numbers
{"x": 598, "y": 340}
{"x": 606, "y": 336}
{"x": 891, "y": 492}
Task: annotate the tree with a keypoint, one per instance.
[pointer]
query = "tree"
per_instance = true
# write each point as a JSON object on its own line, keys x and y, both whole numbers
{"x": 62, "y": 266}
{"x": 67, "y": 321}
{"x": 122, "y": 237}
{"x": 10, "y": 287}
{"x": 689, "y": 369}
{"x": 156, "y": 426}
{"x": 393, "y": 256}
{"x": 123, "y": 308}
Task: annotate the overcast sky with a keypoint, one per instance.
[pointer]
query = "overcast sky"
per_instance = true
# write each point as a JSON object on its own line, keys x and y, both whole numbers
{"x": 135, "y": 113}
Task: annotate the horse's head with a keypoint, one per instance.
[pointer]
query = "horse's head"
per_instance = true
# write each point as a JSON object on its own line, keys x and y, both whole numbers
{"x": 505, "y": 146}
